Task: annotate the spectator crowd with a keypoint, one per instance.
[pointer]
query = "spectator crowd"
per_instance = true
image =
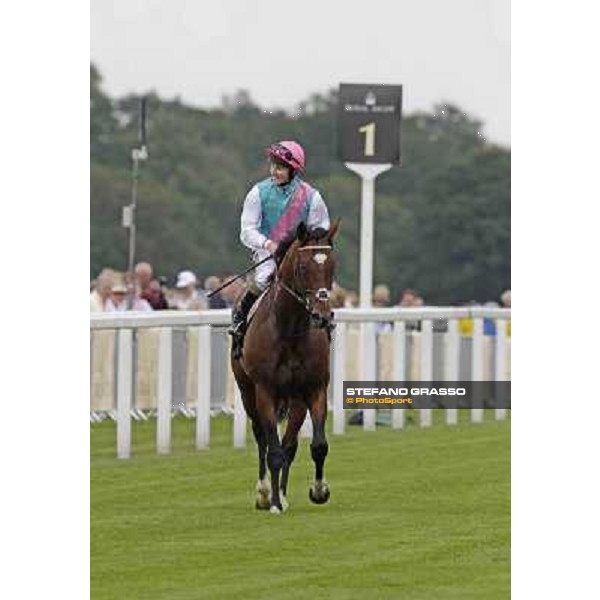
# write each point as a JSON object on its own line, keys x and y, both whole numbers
{"x": 118, "y": 291}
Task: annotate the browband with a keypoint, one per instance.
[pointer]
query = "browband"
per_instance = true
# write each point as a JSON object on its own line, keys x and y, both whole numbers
{"x": 314, "y": 248}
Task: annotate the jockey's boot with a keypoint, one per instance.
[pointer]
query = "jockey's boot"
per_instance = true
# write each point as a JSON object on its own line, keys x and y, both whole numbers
{"x": 238, "y": 326}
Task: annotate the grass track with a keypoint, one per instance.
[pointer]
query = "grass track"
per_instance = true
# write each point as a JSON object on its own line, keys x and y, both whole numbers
{"x": 415, "y": 514}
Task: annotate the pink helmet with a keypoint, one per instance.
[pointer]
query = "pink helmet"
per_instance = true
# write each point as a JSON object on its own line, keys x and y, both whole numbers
{"x": 289, "y": 152}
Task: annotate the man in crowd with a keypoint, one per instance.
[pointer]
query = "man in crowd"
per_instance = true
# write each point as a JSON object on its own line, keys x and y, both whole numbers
{"x": 148, "y": 288}
{"x": 381, "y": 298}
{"x": 410, "y": 299}
{"x": 381, "y": 295}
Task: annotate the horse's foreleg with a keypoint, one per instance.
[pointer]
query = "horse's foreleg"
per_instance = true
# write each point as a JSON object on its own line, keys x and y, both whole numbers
{"x": 319, "y": 492}
{"x": 275, "y": 457}
{"x": 290, "y": 442}
{"x": 263, "y": 487}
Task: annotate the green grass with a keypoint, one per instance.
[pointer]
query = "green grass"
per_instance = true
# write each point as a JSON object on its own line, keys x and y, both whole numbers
{"x": 414, "y": 514}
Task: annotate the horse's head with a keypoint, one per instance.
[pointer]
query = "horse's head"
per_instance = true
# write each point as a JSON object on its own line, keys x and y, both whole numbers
{"x": 307, "y": 270}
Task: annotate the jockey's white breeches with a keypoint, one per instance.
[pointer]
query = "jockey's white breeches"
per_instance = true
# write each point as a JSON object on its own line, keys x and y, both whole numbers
{"x": 262, "y": 272}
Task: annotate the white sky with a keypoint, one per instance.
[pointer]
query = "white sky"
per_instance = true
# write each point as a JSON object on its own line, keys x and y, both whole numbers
{"x": 456, "y": 51}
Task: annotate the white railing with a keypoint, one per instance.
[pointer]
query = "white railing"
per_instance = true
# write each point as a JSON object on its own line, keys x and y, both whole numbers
{"x": 124, "y": 323}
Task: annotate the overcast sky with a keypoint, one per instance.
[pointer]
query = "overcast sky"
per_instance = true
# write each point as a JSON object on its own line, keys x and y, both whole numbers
{"x": 281, "y": 52}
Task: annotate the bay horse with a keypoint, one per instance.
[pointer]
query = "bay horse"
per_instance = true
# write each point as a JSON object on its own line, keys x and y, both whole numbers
{"x": 284, "y": 367}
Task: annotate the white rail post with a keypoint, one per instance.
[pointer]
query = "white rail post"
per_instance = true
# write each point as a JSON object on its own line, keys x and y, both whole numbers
{"x": 239, "y": 419}
{"x": 203, "y": 396}
{"x": 367, "y": 173}
{"x": 452, "y": 363}
{"x": 500, "y": 366}
{"x": 368, "y": 369}
{"x": 165, "y": 390}
{"x": 477, "y": 363}
{"x": 399, "y": 342}
{"x": 339, "y": 371}
{"x": 124, "y": 393}
{"x": 426, "y": 364}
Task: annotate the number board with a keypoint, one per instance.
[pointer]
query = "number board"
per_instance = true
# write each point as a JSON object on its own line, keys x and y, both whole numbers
{"x": 369, "y": 123}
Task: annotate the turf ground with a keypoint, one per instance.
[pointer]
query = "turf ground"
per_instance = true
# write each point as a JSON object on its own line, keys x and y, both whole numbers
{"x": 414, "y": 514}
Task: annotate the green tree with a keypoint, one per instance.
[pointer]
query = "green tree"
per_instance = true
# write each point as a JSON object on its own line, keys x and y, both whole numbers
{"x": 442, "y": 219}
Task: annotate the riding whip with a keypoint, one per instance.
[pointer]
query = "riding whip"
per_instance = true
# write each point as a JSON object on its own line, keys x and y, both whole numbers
{"x": 260, "y": 262}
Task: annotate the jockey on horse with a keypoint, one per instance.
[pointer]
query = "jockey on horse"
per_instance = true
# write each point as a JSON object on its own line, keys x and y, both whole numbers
{"x": 273, "y": 209}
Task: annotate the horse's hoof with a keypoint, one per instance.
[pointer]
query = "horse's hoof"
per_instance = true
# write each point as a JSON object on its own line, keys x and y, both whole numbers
{"x": 274, "y": 510}
{"x": 319, "y": 494}
{"x": 261, "y": 505}
{"x": 263, "y": 495}
{"x": 284, "y": 503}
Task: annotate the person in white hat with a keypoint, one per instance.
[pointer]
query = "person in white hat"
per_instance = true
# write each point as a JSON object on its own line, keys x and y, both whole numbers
{"x": 187, "y": 297}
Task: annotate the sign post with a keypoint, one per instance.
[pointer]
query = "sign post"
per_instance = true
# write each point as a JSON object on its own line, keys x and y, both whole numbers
{"x": 368, "y": 144}
{"x": 367, "y": 173}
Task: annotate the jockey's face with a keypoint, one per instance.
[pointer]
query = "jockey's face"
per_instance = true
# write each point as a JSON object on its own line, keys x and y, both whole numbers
{"x": 280, "y": 172}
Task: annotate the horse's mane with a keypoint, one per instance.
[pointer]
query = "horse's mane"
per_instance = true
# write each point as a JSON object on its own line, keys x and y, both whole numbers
{"x": 284, "y": 245}
{"x": 313, "y": 235}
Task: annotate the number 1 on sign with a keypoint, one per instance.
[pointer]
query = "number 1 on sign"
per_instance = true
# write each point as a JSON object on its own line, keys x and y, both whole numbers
{"x": 369, "y": 131}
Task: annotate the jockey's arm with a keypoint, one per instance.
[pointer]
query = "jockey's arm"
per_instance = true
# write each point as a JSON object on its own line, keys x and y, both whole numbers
{"x": 318, "y": 215}
{"x": 250, "y": 236}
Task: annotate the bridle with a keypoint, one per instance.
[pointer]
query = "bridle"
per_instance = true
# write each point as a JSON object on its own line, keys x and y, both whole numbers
{"x": 304, "y": 297}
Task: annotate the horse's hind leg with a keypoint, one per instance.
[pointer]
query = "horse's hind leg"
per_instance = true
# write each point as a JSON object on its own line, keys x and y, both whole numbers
{"x": 248, "y": 394}
{"x": 290, "y": 445}
{"x": 319, "y": 492}
{"x": 263, "y": 487}
{"x": 265, "y": 405}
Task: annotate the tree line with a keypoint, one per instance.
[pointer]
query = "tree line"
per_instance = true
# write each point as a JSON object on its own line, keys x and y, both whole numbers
{"x": 442, "y": 219}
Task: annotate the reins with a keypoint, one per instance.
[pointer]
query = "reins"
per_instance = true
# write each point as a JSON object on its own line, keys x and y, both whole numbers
{"x": 302, "y": 300}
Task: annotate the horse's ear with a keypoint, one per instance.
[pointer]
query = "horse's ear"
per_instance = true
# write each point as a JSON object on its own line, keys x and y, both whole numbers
{"x": 302, "y": 232}
{"x": 333, "y": 230}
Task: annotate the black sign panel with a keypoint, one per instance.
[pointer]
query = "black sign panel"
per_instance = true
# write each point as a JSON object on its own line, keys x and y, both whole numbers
{"x": 369, "y": 123}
